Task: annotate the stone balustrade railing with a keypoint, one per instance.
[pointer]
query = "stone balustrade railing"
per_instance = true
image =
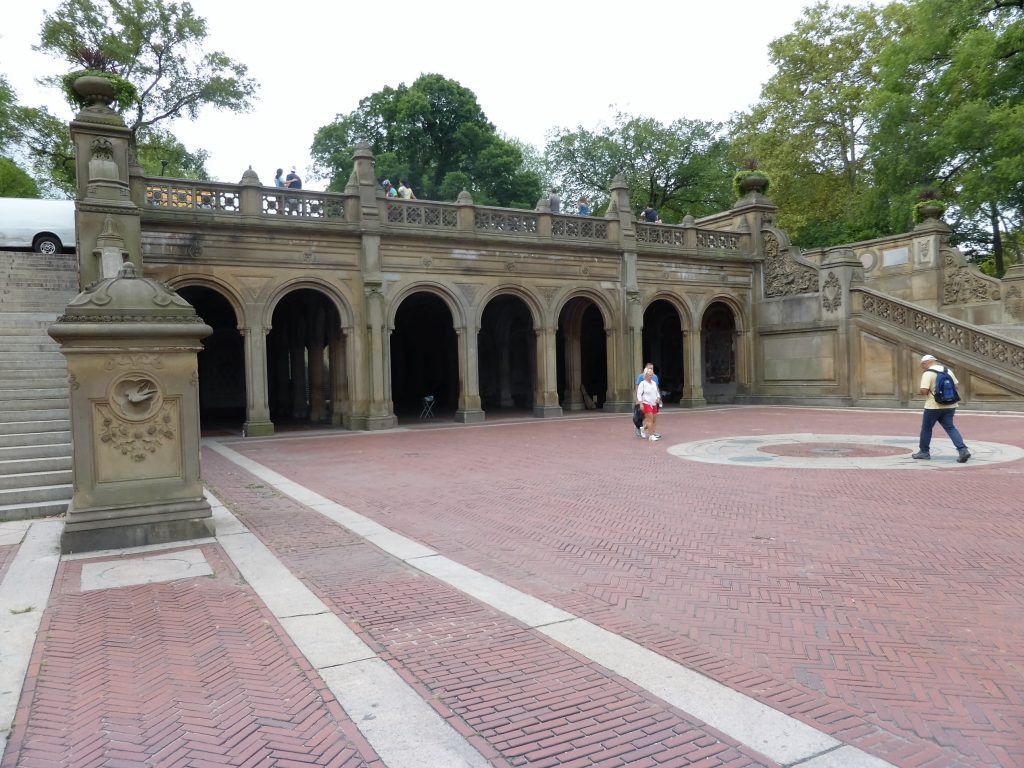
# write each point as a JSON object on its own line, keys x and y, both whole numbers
{"x": 997, "y": 352}
{"x": 181, "y": 195}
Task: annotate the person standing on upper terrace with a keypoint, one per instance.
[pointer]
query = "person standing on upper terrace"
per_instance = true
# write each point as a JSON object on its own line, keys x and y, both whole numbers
{"x": 278, "y": 181}
{"x": 650, "y": 215}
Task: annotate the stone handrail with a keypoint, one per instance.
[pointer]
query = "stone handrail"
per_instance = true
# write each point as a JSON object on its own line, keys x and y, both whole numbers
{"x": 579, "y": 227}
{"x": 181, "y": 195}
{"x": 302, "y": 204}
{"x": 688, "y": 237}
{"x": 419, "y": 213}
{"x": 505, "y": 221}
{"x": 997, "y": 352}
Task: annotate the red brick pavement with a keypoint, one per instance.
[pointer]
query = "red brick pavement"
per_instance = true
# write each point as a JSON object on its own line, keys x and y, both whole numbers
{"x": 192, "y": 673}
{"x": 884, "y": 607}
{"x": 520, "y": 698}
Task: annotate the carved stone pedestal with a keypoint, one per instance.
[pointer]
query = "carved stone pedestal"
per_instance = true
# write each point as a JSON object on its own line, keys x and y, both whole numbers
{"x": 130, "y": 345}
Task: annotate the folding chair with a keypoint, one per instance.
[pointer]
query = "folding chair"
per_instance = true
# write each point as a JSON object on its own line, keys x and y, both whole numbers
{"x": 428, "y": 407}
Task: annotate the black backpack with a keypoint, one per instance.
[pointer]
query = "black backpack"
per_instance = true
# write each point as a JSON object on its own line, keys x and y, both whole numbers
{"x": 945, "y": 388}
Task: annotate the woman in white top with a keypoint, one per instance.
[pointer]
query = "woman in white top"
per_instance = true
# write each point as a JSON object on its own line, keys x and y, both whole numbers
{"x": 648, "y": 396}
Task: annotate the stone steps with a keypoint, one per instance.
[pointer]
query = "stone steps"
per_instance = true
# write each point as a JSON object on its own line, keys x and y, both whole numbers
{"x": 35, "y": 436}
{"x": 43, "y": 478}
{"x": 31, "y": 510}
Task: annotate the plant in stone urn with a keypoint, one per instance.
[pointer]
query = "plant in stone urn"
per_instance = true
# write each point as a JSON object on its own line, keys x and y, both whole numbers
{"x": 928, "y": 205}
{"x": 90, "y": 87}
{"x": 750, "y": 178}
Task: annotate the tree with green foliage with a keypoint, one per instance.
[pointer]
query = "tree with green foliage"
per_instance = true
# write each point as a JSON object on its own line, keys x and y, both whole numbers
{"x": 434, "y": 134}
{"x": 810, "y": 128}
{"x": 680, "y": 168}
{"x": 14, "y": 182}
{"x": 156, "y": 146}
{"x": 951, "y": 112}
{"x": 155, "y": 45}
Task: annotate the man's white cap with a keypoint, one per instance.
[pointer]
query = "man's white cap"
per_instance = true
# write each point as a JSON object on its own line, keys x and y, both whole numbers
{"x": 928, "y": 358}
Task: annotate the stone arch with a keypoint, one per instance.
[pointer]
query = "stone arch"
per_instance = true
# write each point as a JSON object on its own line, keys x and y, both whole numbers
{"x": 458, "y": 311}
{"x": 215, "y": 284}
{"x": 425, "y": 352}
{"x": 341, "y": 303}
{"x": 582, "y": 342}
{"x": 306, "y": 352}
{"x": 506, "y": 347}
{"x": 531, "y": 301}
{"x": 221, "y": 362}
{"x": 600, "y": 301}
{"x": 721, "y": 353}
{"x": 666, "y": 323}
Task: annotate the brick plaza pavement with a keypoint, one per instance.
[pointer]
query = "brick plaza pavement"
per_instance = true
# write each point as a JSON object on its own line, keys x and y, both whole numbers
{"x": 882, "y": 607}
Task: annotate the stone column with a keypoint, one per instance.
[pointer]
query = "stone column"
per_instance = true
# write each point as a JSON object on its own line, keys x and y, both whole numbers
{"x": 104, "y": 209}
{"x": 469, "y": 411}
{"x": 257, "y": 408}
{"x": 131, "y": 346}
{"x": 317, "y": 391}
{"x": 693, "y": 370}
{"x": 297, "y": 359}
{"x": 545, "y": 393}
{"x": 840, "y": 268}
{"x": 340, "y": 406}
{"x": 625, "y": 347}
{"x": 572, "y": 398}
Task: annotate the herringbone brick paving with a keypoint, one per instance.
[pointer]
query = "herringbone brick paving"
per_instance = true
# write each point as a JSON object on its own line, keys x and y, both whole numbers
{"x": 883, "y": 607}
{"x": 190, "y": 673}
{"x": 519, "y": 697}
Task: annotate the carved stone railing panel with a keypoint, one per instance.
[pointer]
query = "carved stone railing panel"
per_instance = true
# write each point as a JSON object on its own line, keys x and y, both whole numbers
{"x": 302, "y": 205}
{"x": 660, "y": 234}
{"x": 783, "y": 274}
{"x": 715, "y": 239}
{"x": 422, "y": 214}
{"x": 998, "y": 351}
{"x": 505, "y": 221}
{"x": 572, "y": 227}
{"x": 197, "y": 196}
{"x": 964, "y": 285}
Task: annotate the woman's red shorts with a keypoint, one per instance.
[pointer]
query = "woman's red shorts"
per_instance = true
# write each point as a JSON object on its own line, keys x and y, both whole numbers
{"x": 650, "y": 408}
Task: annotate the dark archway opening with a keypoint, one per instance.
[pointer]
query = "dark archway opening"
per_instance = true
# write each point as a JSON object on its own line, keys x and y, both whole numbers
{"x": 424, "y": 356}
{"x": 663, "y": 345}
{"x": 582, "y": 351}
{"x": 301, "y": 358}
{"x": 507, "y": 353}
{"x": 221, "y": 363}
{"x": 718, "y": 331}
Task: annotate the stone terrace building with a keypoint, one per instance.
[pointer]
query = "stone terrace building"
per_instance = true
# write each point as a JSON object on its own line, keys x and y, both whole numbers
{"x": 350, "y": 309}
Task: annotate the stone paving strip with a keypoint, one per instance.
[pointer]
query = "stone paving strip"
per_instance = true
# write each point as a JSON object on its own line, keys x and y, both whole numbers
{"x": 404, "y": 730}
{"x": 24, "y": 593}
{"x": 782, "y": 738}
{"x": 832, "y": 452}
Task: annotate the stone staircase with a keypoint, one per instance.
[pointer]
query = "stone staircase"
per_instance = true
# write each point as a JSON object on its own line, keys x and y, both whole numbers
{"x": 35, "y": 437}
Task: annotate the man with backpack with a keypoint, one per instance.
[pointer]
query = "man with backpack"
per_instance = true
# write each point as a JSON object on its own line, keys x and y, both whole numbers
{"x": 939, "y": 384}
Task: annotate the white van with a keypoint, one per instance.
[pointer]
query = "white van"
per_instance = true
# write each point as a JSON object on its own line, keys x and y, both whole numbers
{"x": 45, "y": 226}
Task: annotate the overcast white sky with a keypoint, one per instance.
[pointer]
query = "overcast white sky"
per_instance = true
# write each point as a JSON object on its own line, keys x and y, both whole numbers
{"x": 533, "y": 65}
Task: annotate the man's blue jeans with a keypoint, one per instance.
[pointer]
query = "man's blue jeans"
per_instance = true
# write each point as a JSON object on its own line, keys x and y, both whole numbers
{"x": 943, "y": 416}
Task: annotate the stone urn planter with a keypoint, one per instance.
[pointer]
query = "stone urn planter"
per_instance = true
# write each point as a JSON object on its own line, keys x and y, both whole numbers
{"x": 754, "y": 182}
{"x": 95, "y": 90}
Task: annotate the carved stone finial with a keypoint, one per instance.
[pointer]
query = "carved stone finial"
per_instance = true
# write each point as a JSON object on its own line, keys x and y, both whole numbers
{"x": 250, "y": 178}
{"x": 619, "y": 182}
{"x": 688, "y": 221}
{"x": 464, "y": 198}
